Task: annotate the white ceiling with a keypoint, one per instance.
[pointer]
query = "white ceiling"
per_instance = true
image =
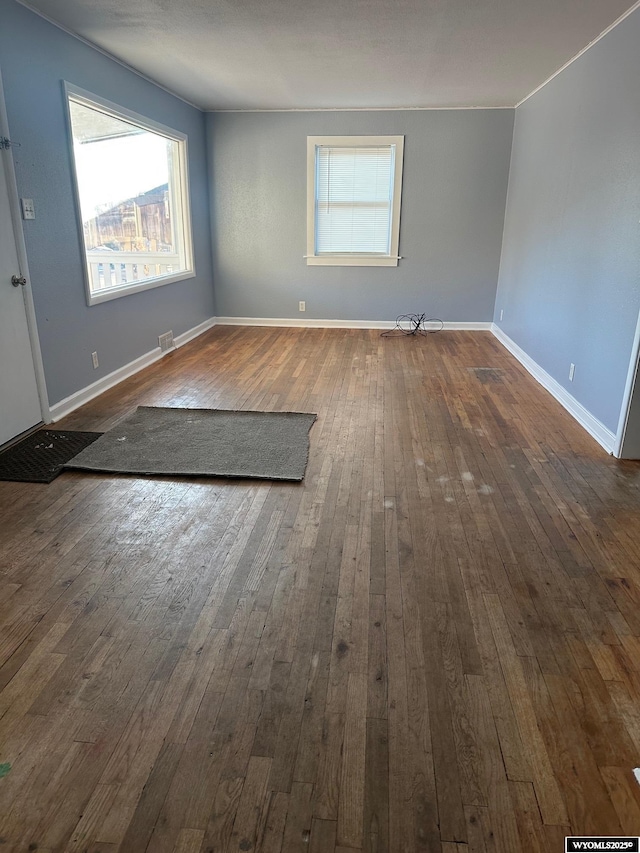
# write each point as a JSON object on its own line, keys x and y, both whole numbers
{"x": 296, "y": 54}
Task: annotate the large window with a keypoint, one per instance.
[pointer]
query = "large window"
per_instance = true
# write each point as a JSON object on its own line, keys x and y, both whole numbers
{"x": 354, "y": 186}
{"x": 132, "y": 190}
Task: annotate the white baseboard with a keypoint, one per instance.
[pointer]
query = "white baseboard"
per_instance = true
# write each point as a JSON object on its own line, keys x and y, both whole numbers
{"x": 198, "y": 330}
{"x": 79, "y": 398}
{"x": 593, "y": 426}
{"x": 338, "y": 324}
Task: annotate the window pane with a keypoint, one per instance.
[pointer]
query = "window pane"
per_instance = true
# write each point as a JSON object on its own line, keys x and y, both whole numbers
{"x": 129, "y": 190}
{"x": 354, "y": 192}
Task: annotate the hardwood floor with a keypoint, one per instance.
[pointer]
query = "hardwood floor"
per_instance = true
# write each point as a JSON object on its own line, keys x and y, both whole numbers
{"x": 431, "y": 644}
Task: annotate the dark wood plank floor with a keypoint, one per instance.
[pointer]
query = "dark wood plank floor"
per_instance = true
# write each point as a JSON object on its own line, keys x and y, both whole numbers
{"x": 432, "y": 644}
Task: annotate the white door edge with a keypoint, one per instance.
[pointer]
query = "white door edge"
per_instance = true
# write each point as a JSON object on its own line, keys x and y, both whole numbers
{"x": 16, "y": 217}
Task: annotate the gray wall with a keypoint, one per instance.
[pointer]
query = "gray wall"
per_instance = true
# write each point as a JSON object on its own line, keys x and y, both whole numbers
{"x": 35, "y": 57}
{"x": 570, "y": 270}
{"x": 455, "y": 180}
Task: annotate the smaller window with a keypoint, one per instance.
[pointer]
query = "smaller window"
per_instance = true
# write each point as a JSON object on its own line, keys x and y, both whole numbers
{"x": 354, "y": 187}
{"x": 132, "y": 194}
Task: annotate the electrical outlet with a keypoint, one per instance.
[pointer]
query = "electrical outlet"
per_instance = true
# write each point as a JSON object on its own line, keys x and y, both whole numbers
{"x": 94, "y": 359}
{"x": 28, "y": 209}
{"x": 501, "y": 313}
{"x": 302, "y": 306}
{"x": 572, "y": 370}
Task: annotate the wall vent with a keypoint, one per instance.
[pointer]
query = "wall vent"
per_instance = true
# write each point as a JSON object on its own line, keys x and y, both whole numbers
{"x": 166, "y": 341}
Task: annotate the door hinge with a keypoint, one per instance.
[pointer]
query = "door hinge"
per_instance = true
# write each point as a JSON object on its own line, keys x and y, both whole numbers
{"x": 6, "y": 143}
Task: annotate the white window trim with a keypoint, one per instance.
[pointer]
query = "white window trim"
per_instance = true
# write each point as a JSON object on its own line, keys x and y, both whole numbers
{"x": 353, "y": 259}
{"x": 90, "y": 100}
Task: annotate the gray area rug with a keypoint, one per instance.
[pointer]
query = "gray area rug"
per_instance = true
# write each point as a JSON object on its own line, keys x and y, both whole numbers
{"x": 204, "y": 443}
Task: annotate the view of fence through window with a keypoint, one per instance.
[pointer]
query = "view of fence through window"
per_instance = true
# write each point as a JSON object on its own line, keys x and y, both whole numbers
{"x": 129, "y": 189}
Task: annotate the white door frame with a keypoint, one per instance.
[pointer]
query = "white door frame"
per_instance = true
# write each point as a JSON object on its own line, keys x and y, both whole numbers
{"x": 16, "y": 218}
{"x": 632, "y": 372}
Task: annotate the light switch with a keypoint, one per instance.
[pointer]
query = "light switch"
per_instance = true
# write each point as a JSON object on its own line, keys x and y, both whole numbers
{"x": 28, "y": 208}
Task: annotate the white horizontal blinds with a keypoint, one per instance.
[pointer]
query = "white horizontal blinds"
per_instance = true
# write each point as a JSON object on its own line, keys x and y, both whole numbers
{"x": 354, "y": 194}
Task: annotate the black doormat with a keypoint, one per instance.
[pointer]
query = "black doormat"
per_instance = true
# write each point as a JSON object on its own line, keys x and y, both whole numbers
{"x": 39, "y": 457}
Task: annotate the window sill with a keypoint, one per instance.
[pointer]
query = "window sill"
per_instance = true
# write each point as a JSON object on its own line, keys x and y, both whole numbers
{"x": 97, "y": 296}
{"x": 351, "y": 261}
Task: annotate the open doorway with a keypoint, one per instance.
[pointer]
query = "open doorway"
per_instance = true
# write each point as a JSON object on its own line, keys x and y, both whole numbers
{"x": 628, "y": 438}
